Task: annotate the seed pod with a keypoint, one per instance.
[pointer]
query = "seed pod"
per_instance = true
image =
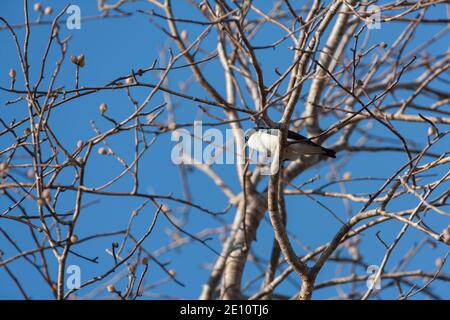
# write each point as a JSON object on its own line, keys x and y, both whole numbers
{"x": 73, "y": 238}
{"x": 81, "y": 60}
{"x": 102, "y": 151}
{"x": 46, "y": 195}
{"x": 446, "y": 235}
{"x": 347, "y": 175}
{"x": 12, "y": 73}
{"x": 30, "y": 173}
{"x": 37, "y": 6}
{"x": 129, "y": 80}
{"x": 432, "y": 131}
{"x": 74, "y": 59}
{"x": 103, "y": 108}
{"x": 184, "y": 35}
{"x": 203, "y": 8}
{"x": 110, "y": 288}
{"x": 48, "y": 11}
{"x": 26, "y": 131}
{"x": 171, "y": 126}
{"x": 3, "y": 166}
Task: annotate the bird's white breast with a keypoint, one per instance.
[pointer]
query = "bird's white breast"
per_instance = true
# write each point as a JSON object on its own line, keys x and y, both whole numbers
{"x": 263, "y": 142}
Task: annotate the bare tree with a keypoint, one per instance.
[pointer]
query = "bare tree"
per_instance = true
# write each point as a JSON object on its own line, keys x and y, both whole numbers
{"x": 357, "y": 95}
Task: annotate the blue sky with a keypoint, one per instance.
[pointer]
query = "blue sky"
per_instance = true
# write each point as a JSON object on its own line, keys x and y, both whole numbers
{"x": 112, "y": 48}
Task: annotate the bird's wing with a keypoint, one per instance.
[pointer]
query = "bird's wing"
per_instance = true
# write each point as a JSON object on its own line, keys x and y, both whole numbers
{"x": 294, "y": 137}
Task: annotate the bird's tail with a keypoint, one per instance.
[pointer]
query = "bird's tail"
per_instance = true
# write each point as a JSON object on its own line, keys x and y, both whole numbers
{"x": 328, "y": 152}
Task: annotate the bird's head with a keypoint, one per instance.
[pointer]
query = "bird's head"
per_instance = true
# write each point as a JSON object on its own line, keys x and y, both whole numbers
{"x": 249, "y": 133}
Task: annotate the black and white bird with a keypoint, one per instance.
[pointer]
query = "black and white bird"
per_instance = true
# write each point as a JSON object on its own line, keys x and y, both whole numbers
{"x": 266, "y": 140}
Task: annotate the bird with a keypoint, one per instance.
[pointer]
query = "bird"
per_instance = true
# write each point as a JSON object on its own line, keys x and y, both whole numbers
{"x": 265, "y": 140}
